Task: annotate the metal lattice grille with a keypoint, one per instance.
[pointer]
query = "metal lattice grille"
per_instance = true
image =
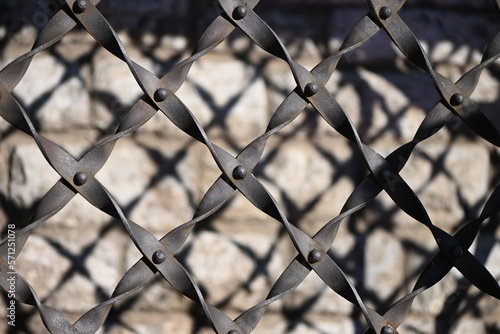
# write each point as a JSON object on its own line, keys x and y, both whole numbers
{"x": 77, "y": 176}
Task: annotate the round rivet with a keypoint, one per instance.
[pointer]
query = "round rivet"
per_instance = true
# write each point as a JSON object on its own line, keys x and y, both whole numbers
{"x": 385, "y": 12}
{"x": 456, "y": 252}
{"x": 387, "y": 330}
{"x": 314, "y": 256}
{"x": 80, "y": 6}
{"x": 311, "y": 89}
{"x": 240, "y": 12}
{"x": 160, "y": 95}
{"x": 80, "y": 178}
{"x": 232, "y": 331}
{"x": 456, "y": 99}
{"x": 239, "y": 172}
{"x": 159, "y": 257}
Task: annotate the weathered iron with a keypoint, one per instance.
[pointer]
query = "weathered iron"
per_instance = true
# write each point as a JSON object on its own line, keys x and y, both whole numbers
{"x": 159, "y": 256}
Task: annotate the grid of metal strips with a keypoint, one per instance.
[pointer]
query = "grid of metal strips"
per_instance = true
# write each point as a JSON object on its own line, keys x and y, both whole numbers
{"x": 77, "y": 176}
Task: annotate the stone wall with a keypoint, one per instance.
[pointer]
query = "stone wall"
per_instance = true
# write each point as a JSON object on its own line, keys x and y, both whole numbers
{"x": 77, "y": 93}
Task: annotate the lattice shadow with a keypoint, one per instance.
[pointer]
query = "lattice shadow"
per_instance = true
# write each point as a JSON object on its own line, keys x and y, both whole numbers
{"x": 244, "y": 248}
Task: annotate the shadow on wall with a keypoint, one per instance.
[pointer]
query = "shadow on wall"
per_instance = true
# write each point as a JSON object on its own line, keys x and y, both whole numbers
{"x": 308, "y": 168}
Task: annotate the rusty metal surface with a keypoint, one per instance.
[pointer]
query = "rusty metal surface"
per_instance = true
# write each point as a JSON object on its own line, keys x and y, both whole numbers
{"x": 77, "y": 176}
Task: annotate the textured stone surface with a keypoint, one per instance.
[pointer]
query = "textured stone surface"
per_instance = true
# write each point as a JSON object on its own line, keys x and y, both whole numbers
{"x": 50, "y": 89}
{"x": 30, "y": 176}
{"x": 219, "y": 265}
{"x": 231, "y": 112}
{"x": 52, "y": 265}
{"x": 154, "y": 323}
{"x": 172, "y": 190}
{"x": 114, "y": 88}
{"x": 384, "y": 263}
{"x": 470, "y": 326}
{"x": 78, "y": 92}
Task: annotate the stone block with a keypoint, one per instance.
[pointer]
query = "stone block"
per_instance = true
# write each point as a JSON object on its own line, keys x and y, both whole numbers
{"x": 487, "y": 94}
{"x": 38, "y": 259}
{"x": 114, "y": 88}
{"x": 324, "y": 324}
{"x": 31, "y": 177}
{"x": 319, "y": 298}
{"x": 167, "y": 198}
{"x": 312, "y": 178}
{"x": 127, "y": 173}
{"x": 69, "y": 286}
{"x": 300, "y": 171}
{"x": 105, "y": 261}
{"x": 19, "y": 40}
{"x": 384, "y": 264}
{"x": 56, "y": 94}
{"x": 338, "y": 184}
{"x": 309, "y": 323}
{"x": 469, "y": 326}
{"x": 418, "y": 324}
{"x": 267, "y": 248}
{"x": 219, "y": 265}
{"x": 148, "y": 322}
{"x": 228, "y": 98}
{"x": 76, "y": 48}
{"x": 75, "y": 296}
{"x": 469, "y": 167}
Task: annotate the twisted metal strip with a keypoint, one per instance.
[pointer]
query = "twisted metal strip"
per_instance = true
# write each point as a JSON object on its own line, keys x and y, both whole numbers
{"x": 382, "y": 169}
{"x": 90, "y": 158}
{"x": 432, "y": 119}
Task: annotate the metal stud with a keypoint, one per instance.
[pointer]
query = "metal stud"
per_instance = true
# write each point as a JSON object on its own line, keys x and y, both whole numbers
{"x": 239, "y": 172}
{"x": 311, "y": 89}
{"x": 456, "y": 99}
{"x": 385, "y": 12}
{"x": 80, "y": 178}
{"x": 80, "y": 6}
{"x": 160, "y": 95}
{"x": 314, "y": 256}
{"x": 159, "y": 257}
{"x": 456, "y": 252}
{"x": 240, "y": 12}
{"x": 387, "y": 330}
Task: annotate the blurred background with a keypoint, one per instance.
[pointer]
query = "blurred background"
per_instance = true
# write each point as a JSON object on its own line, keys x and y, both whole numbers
{"x": 76, "y": 93}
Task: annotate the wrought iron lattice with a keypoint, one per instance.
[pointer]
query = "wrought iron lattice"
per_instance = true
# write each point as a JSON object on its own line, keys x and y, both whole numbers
{"x": 77, "y": 176}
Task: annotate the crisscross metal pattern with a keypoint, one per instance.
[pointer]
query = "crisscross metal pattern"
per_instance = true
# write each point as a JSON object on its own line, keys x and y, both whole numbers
{"x": 77, "y": 176}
